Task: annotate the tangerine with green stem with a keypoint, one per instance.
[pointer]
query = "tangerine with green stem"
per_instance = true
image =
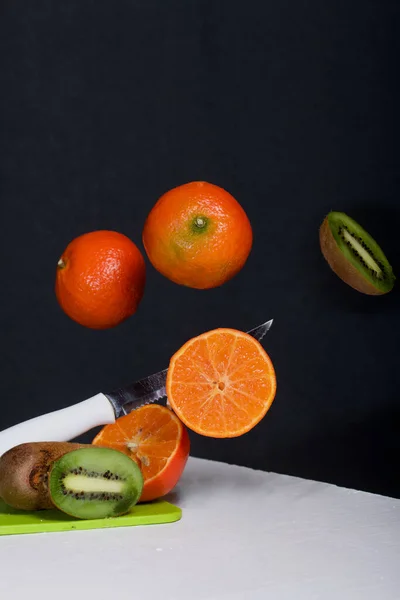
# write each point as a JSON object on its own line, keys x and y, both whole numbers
{"x": 198, "y": 235}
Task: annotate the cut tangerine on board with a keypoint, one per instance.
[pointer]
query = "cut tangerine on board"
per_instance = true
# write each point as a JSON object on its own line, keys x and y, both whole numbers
{"x": 221, "y": 383}
{"x": 157, "y": 440}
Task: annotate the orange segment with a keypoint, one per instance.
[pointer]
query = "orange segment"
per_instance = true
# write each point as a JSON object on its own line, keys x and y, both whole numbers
{"x": 221, "y": 383}
{"x": 157, "y": 440}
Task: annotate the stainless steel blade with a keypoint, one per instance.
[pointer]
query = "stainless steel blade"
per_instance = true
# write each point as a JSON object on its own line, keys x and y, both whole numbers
{"x": 151, "y": 389}
{"x": 259, "y": 332}
{"x": 144, "y": 391}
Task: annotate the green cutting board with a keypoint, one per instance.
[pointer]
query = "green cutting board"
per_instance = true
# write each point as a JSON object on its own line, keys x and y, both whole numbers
{"x": 14, "y": 521}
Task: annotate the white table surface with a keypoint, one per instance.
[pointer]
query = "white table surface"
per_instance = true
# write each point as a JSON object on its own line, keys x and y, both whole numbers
{"x": 244, "y": 535}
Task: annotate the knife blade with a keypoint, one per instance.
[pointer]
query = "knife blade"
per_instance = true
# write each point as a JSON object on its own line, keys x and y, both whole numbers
{"x": 103, "y": 408}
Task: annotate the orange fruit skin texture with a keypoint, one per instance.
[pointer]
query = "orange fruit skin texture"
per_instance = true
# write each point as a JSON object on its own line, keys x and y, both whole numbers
{"x": 102, "y": 279}
{"x": 156, "y": 440}
{"x": 221, "y": 383}
{"x": 198, "y": 257}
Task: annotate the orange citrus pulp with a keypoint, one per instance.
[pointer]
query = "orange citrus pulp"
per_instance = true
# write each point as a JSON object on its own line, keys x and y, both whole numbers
{"x": 221, "y": 383}
{"x": 156, "y": 439}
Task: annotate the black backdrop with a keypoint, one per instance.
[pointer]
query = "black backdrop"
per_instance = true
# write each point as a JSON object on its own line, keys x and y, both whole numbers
{"x": 293, "y": 107}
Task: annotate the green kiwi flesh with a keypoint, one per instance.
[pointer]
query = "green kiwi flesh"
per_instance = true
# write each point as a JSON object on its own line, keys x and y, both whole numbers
{"x": 24, "y": 473}
{"x": 95, "y": 483}
{"x": 354, "y": 255}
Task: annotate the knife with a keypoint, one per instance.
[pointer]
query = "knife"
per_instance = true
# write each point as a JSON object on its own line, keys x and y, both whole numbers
{"x": 103, "y": 408}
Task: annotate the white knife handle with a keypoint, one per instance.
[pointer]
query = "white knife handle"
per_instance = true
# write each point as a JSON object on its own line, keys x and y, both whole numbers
{"x": 61, "y": 425}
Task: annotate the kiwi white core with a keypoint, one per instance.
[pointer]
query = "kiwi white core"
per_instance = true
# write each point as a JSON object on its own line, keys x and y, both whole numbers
{"x": 362, "y": 252}
{"x": 80, "y": 483}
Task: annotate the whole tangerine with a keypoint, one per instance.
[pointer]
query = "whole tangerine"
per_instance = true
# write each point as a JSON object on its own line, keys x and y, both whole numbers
{"x": 198, "y": 235}
{"x": 100, "y": 279}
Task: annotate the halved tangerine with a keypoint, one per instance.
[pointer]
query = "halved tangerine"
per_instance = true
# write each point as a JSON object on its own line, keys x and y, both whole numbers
{"x": 221, "y": 383}
{"x": 157, "y": 440}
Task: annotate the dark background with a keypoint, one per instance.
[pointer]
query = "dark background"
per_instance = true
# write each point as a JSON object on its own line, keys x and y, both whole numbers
{"x": 293, "y": 107}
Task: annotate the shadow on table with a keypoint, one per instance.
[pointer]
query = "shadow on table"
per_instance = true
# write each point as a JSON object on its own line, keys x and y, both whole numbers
{"x": 173, "y": 497}
{"x": 355, "y": 456}
{"x": 351, "y": 454}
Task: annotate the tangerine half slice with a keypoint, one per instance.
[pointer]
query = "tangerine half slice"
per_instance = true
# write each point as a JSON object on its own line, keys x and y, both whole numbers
{"x": 155, "y": 438}
{"x": 221, "y": 383}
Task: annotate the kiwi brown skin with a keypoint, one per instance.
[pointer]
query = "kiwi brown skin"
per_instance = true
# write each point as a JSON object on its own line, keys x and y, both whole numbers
{"x": 24, "y": 473}
{"x": 341, "y": 266}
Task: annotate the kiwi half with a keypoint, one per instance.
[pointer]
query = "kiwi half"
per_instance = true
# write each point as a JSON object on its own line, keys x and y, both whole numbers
{"x": 354, "y": 255}
{"x": 95, "y": 483}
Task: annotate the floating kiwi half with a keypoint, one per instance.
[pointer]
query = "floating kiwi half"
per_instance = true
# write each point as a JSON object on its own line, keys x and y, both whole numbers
{"x": 95, "y": 483}
{"x": 354, "y": 255}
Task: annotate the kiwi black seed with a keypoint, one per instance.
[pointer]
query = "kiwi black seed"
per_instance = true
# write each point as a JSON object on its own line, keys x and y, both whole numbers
{"x": 354, "y": 255}
{"x": 95, "y": 483}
